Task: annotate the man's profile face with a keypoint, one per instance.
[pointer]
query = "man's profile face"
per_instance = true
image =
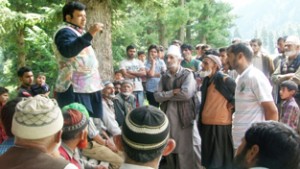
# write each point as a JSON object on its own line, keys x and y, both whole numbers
{"x": 239, "y": 161}
{"x": 78, "y": 18}
{"x": 27, "y": 78}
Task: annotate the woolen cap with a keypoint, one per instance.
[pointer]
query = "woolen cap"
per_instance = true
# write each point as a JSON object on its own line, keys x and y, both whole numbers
{"x": 294, "y": 40}
{"x": 74, "y": 121}
{"x": 146, "y": 129}
{"x": 174, "y": 51}
{"x": 37, "y": 117}
{"x": 215, "y": 59}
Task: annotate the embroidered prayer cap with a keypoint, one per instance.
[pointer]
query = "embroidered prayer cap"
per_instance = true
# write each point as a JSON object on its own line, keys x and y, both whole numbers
{"x": 291, "y": 85}
{"x": 37, "y": 117}
{"x": 77, "y": 106}
{"x": 146, "y": 129}
{"x": 215, "y": 59}
{"x": 74, "y": 121}
{"x": 174, "y": 51}
{"x": 127, "y": 82}
{"x": 107, "y": 82}
{"x": 292, "y": 40}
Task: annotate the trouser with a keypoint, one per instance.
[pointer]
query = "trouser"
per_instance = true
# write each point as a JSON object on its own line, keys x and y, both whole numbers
{"x": 151, "y": 99}
{"x": 139, "y": 95}
{"x": 103, "y": 153}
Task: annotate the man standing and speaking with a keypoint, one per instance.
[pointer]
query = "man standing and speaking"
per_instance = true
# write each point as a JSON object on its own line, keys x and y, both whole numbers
{"x": 78, "y": 79}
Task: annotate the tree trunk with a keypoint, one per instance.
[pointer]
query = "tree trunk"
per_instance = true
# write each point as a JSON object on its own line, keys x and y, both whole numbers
{"x": 21, "y": 47}
{"x": 188, "y": 32}
{"x": 181, "y": 32}
{"x": 162, "y": 32}
{"x": 100, "y": 11}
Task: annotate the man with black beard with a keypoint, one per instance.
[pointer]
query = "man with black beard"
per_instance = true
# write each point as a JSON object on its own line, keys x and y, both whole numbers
{"x": 271, "y": 145}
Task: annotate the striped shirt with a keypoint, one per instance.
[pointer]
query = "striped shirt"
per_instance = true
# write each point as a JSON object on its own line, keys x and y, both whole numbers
{"x": 252, "y": 89}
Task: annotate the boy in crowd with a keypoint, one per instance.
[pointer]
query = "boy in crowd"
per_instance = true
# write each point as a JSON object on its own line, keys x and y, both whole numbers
{"x": 40, "y": 86}
{"x": 289, "y": 110}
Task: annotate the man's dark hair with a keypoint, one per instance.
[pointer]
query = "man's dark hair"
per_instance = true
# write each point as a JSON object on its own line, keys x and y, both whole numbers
{"x": 222, "y": 50}
{"x": 3, "y": 90}
{"x": 279, "y": 145}
{"x": 256, "y": 40}
{"x": 153, "y": 47}
{"x": 283, "y": 38}
{"x": 211, "y": 52}
{"x": 7, "y": 113}
{"x": 241, "y": 48}
{"x": 140, "y": 52}
{"x": 186, "y": 46}
{"x": 70, "y": 7}
{"x": 130, "y": 47}
{"x": 205, "y": 47}
{"x": 174, "y": 42}
{"x": 23, "y": 70}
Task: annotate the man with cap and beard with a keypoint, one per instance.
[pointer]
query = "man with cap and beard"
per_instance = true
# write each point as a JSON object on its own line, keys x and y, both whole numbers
{"x": 175, "y": 92}
{"x": 36, "y": 125}
{"x": 145, "y": 138}
{"x": 288, "y": 68}
{"x": 75, "y": 136}
{"x": 124, "y": 101}
{"x": 108, "y": 124}
{"x": 102, "y": 151}
{"x": 216, "y": 115}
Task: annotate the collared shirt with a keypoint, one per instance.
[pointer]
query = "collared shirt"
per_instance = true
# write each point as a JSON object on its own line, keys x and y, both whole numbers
{"x": 290, "y": 113}
{"x": 132, "y": 166}
{"x": 24, "y": 91}
{"x": 194, "y": 64}
{"x": 252, "y": 89}
{"x": 152, "y": 82}
{"x": 70, "y": 155}
{"x": 258, "y": 61}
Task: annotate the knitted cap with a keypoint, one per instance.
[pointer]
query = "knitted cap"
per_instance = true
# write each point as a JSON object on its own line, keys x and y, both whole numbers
{"x": 74, "y": 121}
{"x": 215, "y": 59}
{"x": 291, "y": 85}
{"x": 174, "y": 51}
{"x": 294, "y": 40}
{"x": 37, "y": 117}
{"x": 77, "y": 106}
{"x": 146, "y": 129}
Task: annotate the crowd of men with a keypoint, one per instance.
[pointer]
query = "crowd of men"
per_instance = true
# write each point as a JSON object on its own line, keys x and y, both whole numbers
{"x": 229, "y": 108}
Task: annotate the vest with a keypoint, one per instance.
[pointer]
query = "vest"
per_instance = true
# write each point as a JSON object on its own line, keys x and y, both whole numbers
{"x": 29, "y": 158}
{"x": 80, "y": 71}
{"x": 186, "y": 109}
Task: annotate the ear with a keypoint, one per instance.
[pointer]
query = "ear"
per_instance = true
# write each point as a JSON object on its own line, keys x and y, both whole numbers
{"x": 171, "y": 144}
{"x": 58, "y": 136}
{"x": 252, "y": 153}
{"x": 240, "y": 55}
{"x": 68, "y": 18}
{"x": 118, "y": 142}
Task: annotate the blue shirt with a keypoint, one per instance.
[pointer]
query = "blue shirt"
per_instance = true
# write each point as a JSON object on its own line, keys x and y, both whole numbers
{"x": 152, "y": 82}
{"x": 6, "y": 145}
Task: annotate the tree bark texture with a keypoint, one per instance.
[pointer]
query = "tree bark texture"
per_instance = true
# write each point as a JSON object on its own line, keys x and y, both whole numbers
{"x": 21, "y": 47}
{"x": 100, "y": 11}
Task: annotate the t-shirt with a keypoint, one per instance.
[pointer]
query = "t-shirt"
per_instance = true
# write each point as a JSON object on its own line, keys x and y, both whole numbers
{"x": 252, "y": 89}
{"x": 133, "y": 65}
{"x": 152, "y": 82}
{"x": 194, "y": 64}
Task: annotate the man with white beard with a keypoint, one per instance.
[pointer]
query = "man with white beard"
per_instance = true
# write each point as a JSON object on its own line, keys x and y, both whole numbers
{"x": 288, "y": 69}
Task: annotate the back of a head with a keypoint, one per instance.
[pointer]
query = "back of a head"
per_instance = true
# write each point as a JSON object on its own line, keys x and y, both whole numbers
{"x": 145, "y": 134}
{"x": 7, "y": 114}
{"x": 36, "y": 118}
{"x": 279, "y": 145}
{"x": 241, "y": 48}
{"x": 23, "y": 70}
{"x": 70, "y": 7}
